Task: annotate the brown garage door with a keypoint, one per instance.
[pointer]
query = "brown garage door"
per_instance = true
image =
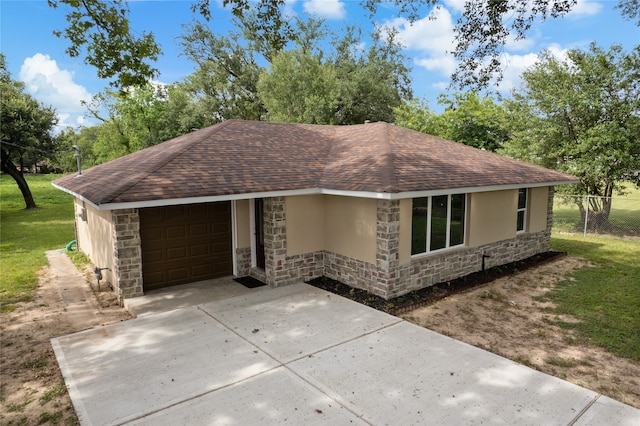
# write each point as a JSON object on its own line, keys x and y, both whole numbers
{"x": 182, "y": 244}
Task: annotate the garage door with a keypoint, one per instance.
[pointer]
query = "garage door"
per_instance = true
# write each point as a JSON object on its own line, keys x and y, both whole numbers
{"x": 182, "y": 244}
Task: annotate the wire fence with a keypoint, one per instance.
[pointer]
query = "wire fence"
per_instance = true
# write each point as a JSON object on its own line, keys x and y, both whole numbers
{"x": 593, "y": 215}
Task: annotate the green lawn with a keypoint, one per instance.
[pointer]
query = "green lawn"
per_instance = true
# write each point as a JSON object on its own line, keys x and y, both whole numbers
{"x": 624, "y": 217}
{"x": 606, "y": 297}
{"x": 25, "y": 235}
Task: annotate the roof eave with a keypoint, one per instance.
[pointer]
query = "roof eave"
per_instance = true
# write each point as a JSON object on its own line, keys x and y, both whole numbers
{"x": 311, "y": 191}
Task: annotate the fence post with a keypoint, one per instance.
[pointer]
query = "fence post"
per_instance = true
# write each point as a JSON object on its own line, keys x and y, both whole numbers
{"x": 586, "y": 218}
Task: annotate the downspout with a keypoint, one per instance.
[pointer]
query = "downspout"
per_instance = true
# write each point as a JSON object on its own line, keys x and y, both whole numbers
{"x": 484, "y": 256}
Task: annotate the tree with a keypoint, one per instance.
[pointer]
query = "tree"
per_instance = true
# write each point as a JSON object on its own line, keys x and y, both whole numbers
{"x": 141, "y": 117}
{"x": 340, "y": 86}
{"x": 225, "y": 80}
{"x": 415, "y": 114}
{"x": 25, "y": 127}
{"x": 473, "y": 120}
{"x": 582, "y": 116}
{"x": 101, "y": 29}
{"x": 467, "y": 119}
{"x": 299, "y": 88}
{"x": 371, "y": 82}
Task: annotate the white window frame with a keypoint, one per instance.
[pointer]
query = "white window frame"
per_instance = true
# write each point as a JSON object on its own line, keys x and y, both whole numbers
{"x": 523, "y": 210}
{"x": 448, "y": 245}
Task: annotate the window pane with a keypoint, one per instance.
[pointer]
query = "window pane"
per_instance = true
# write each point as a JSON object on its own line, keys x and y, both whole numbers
{"x": 438, "y": 222}
{"x": 456, "y": 233}
{"x": 419, "y": 226}
{"x": 522, "y": 198}
{"x": 520, "y": 221}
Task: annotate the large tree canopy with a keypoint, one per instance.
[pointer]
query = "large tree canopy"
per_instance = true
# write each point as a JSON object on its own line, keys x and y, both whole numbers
{"x": 582, "y": 116}
{"x": 467, "y": 118}
{"x": 101, "y": 29}
{"x": 299, "y": 88}
{"x": 25, "y": 130}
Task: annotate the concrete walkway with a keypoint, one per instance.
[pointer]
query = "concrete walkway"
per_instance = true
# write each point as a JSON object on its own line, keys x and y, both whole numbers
{"x": 299, "y": 355}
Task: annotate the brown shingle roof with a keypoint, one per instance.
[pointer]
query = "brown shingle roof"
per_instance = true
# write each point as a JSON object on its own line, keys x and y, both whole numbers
{"x": 242, "y": 157}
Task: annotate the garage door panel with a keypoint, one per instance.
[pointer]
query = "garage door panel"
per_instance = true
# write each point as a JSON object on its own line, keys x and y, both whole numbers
{"x": 200, "y": 250}
{"x": 219, "y": 268}
{"x": 178, "y": 274}
{"x": 157, "y": 276}
{"x": 151, "y": 233}
{"x": 200, "y": 271}
{"x": 198, "y": 229}
{"x": 153, "y": 256}
{"x": 183, "y": 244}
{"x": 175, "y": 231}
{"x": 176, "y": 253}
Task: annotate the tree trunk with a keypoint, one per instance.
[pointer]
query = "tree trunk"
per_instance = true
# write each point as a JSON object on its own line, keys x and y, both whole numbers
{"x": 9, "y": 168}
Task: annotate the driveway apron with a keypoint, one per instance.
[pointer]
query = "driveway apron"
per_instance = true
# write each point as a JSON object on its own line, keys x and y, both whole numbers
{"x": 300, "y": 355}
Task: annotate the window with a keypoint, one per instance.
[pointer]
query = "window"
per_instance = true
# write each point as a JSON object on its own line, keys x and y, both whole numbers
{"x": 437, "y": 223}
{"x": 522, "y": 210}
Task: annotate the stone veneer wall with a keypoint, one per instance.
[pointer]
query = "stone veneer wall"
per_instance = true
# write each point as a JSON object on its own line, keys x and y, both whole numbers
{"x": 127, "y": 253}
{"x": 281, "y": 269}
{"x": 243, "y": 261}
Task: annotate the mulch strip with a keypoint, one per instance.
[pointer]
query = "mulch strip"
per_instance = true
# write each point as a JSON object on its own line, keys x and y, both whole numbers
{"x": 429, "y": 295}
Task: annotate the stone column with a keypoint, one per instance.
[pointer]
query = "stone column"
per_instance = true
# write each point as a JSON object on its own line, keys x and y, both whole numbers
{"x": 275, "y": 241}
{"x": 387, "y": 247}
{"x": 127, "y": 253}
{"x": 552, "y": 191}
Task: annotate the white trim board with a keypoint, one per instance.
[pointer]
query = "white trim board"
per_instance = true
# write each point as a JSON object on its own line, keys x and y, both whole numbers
{"x": 309, "y": 191}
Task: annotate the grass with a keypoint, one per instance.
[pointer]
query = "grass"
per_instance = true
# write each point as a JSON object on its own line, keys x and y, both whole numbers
{"x": 624, "y": 216}
{"x": 604, "y": 298}
{"x": 25, "y": 235}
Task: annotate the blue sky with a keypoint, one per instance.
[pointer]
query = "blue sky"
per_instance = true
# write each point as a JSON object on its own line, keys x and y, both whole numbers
{"x": 38, "y": 58}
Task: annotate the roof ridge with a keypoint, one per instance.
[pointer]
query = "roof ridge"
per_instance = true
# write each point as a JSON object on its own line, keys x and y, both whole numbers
{"x": 332, "y": 143}
{"x": 149, "y": 169}
{"x": 393, "y": 186}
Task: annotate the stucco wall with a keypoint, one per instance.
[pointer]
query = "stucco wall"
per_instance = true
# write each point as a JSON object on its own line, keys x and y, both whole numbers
{"x": 95, "y": 237}
{"x": 243, "y": 224}
{"x": 342, "y": 225}
{"x": 350, "y": 227}
{"x": 538, "y": 209}
{"x": 492, "y": 216}
{"x": 305, "y": 224}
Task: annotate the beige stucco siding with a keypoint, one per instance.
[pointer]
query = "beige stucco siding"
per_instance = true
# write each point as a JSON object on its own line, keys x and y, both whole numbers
{"x": 404, "y": 241}
{"x": 342, "y": 225}
{"x": 95, "y": 237}
{"x": 305, "y": 224}
{"x": 243, "y": 224}
{"x": 538, "y": 200}
{"x": 350, "y": 227}
{"x": 492, "y": 216}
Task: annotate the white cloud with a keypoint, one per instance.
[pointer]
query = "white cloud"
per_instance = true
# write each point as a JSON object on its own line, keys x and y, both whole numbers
{"x": 514, "y": 65}
{"x": 585, "y": 8}
{"x": 54, "y": 87}
{"x": 455, "y": 5}
{"x": 432, "y": 36}
{"x": 329, "y": 9}
{"x": 444, "y": 65}
{"x": 526, "y": 43}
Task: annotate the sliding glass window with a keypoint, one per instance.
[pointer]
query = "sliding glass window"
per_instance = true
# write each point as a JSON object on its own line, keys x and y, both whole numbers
{"x": 438, "y": 223}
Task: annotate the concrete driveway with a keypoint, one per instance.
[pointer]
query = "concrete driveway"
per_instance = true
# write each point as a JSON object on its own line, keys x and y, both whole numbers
{"x": 299, "y": 355}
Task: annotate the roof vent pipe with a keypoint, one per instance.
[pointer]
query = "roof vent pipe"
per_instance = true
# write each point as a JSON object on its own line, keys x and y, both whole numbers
{"x": 367, "y": 121}
{"x": 76, "y": 148}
